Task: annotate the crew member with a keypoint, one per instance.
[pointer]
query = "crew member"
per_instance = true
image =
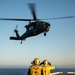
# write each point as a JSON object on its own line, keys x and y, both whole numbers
{"x": 35, "y": 69}
{"x": 47, "y": 67}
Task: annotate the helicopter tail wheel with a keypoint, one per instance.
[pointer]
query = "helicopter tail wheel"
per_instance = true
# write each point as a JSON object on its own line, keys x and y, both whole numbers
{"x": 44, "y": 33}
{"x": 22, "y": 40}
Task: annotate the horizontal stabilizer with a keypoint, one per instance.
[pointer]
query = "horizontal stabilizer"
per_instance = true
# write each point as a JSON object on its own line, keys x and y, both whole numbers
{"x": 13, "y": 38}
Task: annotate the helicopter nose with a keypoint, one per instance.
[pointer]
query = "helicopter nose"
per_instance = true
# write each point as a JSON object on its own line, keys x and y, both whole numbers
{"x": 48, "y": 27}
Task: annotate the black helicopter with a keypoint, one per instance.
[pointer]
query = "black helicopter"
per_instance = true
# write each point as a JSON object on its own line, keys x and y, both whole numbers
{"x": 35, "y": 26}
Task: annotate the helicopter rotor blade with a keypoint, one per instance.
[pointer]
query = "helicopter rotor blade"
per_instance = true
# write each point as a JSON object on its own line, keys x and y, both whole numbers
{"x": 32, "y": 8}
{"x": 11, "y": 19}
{"x": 66, "y": 17}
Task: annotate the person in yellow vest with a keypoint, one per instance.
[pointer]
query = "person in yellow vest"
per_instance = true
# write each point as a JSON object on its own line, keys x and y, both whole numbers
{"x": 47, "y": 67}
{"x": 35, "y": 69}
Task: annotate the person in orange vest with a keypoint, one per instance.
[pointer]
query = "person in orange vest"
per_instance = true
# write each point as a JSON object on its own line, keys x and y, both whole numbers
{"x": 35, "y": 68}
{"x": 47, "y": 67}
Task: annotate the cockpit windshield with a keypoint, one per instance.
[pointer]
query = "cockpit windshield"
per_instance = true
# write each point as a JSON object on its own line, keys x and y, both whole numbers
{"x": 31, "y": 27}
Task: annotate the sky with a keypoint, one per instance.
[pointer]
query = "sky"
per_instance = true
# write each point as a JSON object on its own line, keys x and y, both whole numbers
{"x": 58, "y": 47}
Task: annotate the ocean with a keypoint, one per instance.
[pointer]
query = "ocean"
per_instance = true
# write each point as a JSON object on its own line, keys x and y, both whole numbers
{"x": 23, "y": 71}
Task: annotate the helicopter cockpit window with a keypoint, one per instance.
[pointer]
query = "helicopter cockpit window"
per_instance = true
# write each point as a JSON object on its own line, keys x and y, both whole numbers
{"x": 31, "y": 27}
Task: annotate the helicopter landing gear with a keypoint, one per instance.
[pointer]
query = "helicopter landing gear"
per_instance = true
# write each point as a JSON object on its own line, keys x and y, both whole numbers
{"x": 44, "y": 33}
{"x": 21, "y": 42}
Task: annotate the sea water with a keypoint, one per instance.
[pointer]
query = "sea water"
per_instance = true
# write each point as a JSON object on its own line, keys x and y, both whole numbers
{"x": 24, "y": 71}
{"x": 13, "y": 71}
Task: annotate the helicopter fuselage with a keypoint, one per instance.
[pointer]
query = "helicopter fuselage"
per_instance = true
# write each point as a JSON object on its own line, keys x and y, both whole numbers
{"x": 33, "y": 29}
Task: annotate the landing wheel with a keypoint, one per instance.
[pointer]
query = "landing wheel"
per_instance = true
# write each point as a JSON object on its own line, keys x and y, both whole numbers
{"x": 21, "y": 42}
{"x": 44, "y": 34}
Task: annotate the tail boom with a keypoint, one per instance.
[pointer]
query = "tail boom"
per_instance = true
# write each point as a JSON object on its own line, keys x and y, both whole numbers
{"x": 14, "y": 38}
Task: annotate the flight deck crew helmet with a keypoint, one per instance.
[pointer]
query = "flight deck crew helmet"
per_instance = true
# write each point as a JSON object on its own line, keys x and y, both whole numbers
{"x": 36, "y": 61}
{"x": 45, "y": 62}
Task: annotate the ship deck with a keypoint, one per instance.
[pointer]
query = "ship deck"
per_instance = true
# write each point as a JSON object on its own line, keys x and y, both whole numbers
{"x": 61, "y": 73}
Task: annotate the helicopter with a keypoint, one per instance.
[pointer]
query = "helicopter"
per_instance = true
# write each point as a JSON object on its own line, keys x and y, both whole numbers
{"x": 35, "y": 27}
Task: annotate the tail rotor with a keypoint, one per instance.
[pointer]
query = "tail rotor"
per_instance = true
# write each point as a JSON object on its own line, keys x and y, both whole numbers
{"x": 16, "y": 27}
